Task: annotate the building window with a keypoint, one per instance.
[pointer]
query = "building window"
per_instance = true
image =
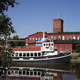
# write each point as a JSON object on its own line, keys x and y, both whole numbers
{"x": 51, "y": 37}
{"x": 74, "y": 37}
{"x": 54, "y": 38}
{"x": 63, "y": 38}
{"x": 36, "y": 39}
{"x": 59, "y": 37}
{"x": 70, "y": 37}
{"x": 78, "y": 38}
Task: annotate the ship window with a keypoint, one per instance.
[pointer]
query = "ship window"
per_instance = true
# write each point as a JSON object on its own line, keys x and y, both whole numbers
{"x": 31, "y": 73}
{"x": 24, "y": 54}
{"x": 43, "y": 53}
{"x": 47, "y": 44}
{"x": 27, "y": 54}
{"x": 46, "y": 79}
{"x": 38, "y": 73}
{"x": 9, "y": 73}
{"x": 27, "y": 72}
{"x": 35, "y": 73}
{"x": 16, "y": 72}
{"x": 47, "y": 47}
{"x": 31, "y": 54}
{"x": 35, "y": 54}
{"x": 12, "y": 55}
{"x": 39, "y": 54}
{"x": 24, "y": 72}
{"x": 20, "y": 54}
{"x": 44, "y": 44}
{"x": 16, "y": 54}
{"x": 51, "y": 44}
{"x": 30, "y": 38}
{"x": 35, "y": 38}
{"x": 19, "y": 72}
{"x": 12, "y": 72}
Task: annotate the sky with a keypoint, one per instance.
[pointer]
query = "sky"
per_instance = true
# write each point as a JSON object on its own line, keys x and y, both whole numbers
{"x": 31, "y": 16}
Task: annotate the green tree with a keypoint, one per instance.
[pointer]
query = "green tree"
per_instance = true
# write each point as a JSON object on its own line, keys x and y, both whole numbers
{"x": 77, "y": 48}
{"x": 4, "y": 5}
{"x": 6, "y": 26}
{"x": 6, "y": 29}
{"x": 15, "y": 37}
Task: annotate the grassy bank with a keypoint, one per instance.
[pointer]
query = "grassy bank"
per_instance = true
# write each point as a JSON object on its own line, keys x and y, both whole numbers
{"x": 75, "y": 58}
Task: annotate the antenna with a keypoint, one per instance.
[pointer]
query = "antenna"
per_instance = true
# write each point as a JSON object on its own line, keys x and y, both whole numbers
{"x": 59, "y": 13}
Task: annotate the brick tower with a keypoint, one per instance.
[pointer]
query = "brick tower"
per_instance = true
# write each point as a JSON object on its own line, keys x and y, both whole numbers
{"x": 58, "y": 25}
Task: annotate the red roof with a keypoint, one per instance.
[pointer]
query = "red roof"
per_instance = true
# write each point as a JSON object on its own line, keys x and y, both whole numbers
{"x": 31, "y": 48}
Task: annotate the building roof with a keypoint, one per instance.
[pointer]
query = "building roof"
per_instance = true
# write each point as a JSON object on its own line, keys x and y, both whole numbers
{"x": 31, "y": 48}
{"x": 65, "y": 33}
{"x": 38, "y": 34}
{"x": 67, "y": 41}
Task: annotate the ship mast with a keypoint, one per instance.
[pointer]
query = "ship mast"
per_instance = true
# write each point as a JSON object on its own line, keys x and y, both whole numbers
{"x": 43, "y": 36}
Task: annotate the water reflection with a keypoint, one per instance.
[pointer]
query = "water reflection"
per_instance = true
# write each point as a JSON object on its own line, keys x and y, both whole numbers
{"x": 31, "y": 73}
{"x": 48, "y": 72}
{"x": 76, "y": 70}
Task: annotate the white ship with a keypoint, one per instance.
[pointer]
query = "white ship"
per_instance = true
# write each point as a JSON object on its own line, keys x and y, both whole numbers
{"x": 44, "y": 51}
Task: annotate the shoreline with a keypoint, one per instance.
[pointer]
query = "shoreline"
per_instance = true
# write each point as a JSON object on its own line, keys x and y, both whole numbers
{"x": 75, "y": 58}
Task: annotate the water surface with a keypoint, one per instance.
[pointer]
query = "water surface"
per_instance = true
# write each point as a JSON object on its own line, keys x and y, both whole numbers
{"x": 43, "y": 72}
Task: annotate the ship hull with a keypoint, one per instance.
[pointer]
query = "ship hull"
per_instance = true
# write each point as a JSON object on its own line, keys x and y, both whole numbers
{"x": 43, "y": 60}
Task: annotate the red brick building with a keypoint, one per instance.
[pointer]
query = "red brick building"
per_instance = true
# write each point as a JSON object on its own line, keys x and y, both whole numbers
{"x": 62, "y": 40}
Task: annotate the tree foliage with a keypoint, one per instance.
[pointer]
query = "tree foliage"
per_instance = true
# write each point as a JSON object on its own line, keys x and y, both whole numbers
{"x": 6, "y": 29}
{"x": 5, "y": 22}
{"x": 6, "y": 26}
{"x": 4, "y": 5}
{"x": 5, "y": 58}
{"x": 15, "y": 37}
{"x": 77, "y": 48}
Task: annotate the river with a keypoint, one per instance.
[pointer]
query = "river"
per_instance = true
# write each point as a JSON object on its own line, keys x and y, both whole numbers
{"x": 43, "y": 72}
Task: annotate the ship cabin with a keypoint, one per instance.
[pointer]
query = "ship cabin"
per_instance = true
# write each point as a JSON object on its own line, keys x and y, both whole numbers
{"x": 40, "y": 50}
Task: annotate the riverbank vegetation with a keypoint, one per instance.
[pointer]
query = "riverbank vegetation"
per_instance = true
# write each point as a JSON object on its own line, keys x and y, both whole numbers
{"x": 6, "y": 29}
{"x": 75, "y": 58}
